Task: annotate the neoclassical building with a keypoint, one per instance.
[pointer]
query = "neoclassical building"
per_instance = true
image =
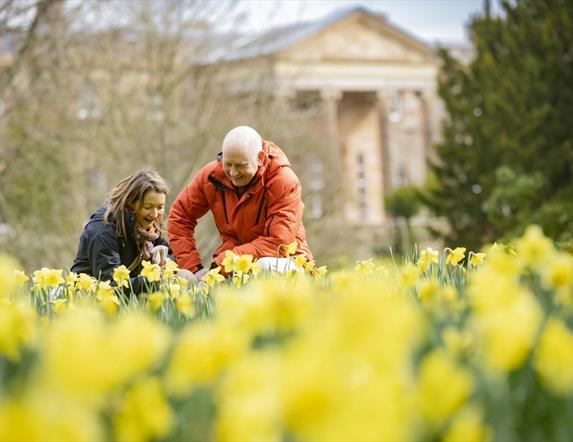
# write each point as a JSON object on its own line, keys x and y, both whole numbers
{"x": 376, "y": 84}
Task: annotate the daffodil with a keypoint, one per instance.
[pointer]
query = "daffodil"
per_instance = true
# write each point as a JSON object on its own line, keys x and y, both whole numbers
{"x": 185, "y": 305}
{"x": 48, "y": 278}
{"x": 477, "y": 259}
{"x": 444, "y": 387}
{"x": 256, "y": 268}
{"x": 429, "y": 289}
{"x": 243, "y": 263}
{"x": 170, "y": 268}
{"x": 110, "y": 304}
{"x": 213, "y": 277}
{"x": 59, "y": 305}
{"x": 151, "y": 272}
{"x": 104, "y": 289}
{"x": 290, "y": 249}
{"x": 21, "y": 277}
{"x": 455, "y": 256}
{"x": 409, "y": 275}
{"x": 121, "y": 276}
{"x": 309, "y": 266}
{"x": 427, "y": 257}
{"x": 364, "y": 267}
{"x": 229, "y": 261}
{"x": 534, "y": 247}
{"x": 155, "y": 300}
{"x": 300, "y": 260}
{"x": 138, "y": 422}
{"x": 86, "y": 282}
{"x": 468, "y": 425}
{"x": 554, "y": 357}
{"x": 320, "y": 272}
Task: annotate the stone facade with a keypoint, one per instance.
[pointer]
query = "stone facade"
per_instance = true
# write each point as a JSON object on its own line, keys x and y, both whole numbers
{"x": 377, "y": 89}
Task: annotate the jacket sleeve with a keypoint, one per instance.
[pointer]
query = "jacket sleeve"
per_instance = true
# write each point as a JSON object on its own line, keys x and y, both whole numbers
{"x": 190, "y": 205}
{"x": 104, "y": 256}
{"x": 284, "y": 217}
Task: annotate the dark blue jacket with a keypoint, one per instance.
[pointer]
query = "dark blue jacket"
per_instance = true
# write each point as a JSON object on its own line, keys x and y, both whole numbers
{"x": 101, "y": 250}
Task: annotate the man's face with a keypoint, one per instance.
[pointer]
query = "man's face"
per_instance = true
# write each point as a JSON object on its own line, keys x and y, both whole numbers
{"x": 238, "y": 167}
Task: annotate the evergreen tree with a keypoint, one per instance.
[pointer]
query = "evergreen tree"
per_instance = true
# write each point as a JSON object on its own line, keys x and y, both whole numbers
{"x": 506, "y": 159}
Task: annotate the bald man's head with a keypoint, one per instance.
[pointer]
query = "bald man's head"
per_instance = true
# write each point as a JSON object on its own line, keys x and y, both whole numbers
{"x": 242, "y": 151}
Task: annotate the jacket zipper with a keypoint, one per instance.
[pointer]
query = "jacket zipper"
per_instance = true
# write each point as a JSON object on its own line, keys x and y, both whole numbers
{"x": 224, "y": 205}
{"x": 260, "y": 209}
{"x": 269, "y": 226}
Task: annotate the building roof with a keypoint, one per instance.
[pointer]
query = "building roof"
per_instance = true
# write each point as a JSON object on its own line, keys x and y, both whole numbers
{"x": 281, "y": 38}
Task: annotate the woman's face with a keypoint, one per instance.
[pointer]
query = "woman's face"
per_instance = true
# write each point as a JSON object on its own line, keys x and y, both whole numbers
{"x": 149, "y": 209}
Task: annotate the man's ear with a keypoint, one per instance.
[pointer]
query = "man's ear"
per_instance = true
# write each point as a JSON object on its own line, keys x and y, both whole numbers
{"x": 260, "y": 157}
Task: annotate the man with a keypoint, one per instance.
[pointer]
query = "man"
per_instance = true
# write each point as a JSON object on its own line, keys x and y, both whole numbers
{"x": 255, "y": 198}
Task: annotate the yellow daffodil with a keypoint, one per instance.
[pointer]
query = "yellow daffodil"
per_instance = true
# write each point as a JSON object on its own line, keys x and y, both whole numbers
{"x": 477, "y": 259}
{"x": 256, "y": 268}
{"x": 365, "y": 267}
{"x": 104, "y": 289}
{"x": 290, "y": 249}
{"x": 455, "y": 256}
{"x": 444, "y": 387}
{"x": 427, "y": 257}
{"x": 229, "y": 261}
{"x": 554, "y": 357}
{"x": 300, "y": 260}
{"x": 121, "y": 276}
{"x": 213, "y": 277}
{"x": 429, "y": 289}
{"x": 48, "y": 278}
{"x": 409, "y": 275}
{"x": 320, "y": 272}
{"x": 21, "y": 277}
{"x": 86, "y": 282}
{"x": 468, "y": 426}
{"x": 185, "y": 305}
{"x": 155, "y": 300}
{"x": 137, "y": 422}
{"x": 534, "y": 247}
{"x": 243, "y": 263}
{"x": 59, "y": 305}
{"x": 174, "y": 289}
{"x": 170, "y": 268}
{"x": 151, "y": 272}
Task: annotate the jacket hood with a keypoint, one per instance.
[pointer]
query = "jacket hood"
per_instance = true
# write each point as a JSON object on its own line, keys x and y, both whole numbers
{"x": 98, "y": 216}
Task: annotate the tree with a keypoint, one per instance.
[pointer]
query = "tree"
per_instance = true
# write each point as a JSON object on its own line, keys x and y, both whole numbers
{"x": 403, "y": 204}
{"x": 506, "y": 159}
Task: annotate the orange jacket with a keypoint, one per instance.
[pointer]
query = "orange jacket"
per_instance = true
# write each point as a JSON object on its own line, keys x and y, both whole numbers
{"x": 266, "y": 215}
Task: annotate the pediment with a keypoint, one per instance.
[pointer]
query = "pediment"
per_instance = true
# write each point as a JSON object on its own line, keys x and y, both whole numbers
{"x": 360, "y": 38}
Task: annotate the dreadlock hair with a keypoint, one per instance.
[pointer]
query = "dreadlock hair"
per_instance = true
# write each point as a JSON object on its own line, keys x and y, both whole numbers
{"x": 130, "y": 191}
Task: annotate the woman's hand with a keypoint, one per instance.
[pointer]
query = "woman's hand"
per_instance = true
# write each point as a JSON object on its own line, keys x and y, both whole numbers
{"x": 159, "y": 255}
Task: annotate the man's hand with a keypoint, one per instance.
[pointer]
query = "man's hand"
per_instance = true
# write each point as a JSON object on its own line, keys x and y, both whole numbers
{"x": 187, "y": 274}
{"x": 159, "y": 255}
{"x": 200, "y": 273}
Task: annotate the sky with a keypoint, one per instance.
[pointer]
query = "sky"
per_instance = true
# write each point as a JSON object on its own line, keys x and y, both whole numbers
{"x": 430, "y": 20}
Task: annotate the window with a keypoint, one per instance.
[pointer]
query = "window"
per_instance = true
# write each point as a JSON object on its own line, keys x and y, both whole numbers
{"x": 361, "y": 184}
{"x": 315, "y": 170}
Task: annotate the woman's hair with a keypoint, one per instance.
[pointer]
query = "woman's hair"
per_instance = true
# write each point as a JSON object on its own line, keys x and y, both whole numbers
{"x": 130, "y": 191}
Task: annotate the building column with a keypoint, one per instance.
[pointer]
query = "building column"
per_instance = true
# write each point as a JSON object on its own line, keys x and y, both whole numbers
{"x": 330, "y": 99}
{"x": 384, "y": 106}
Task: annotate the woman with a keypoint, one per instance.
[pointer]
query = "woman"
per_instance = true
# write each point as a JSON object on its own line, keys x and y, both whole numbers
{"x": 126, "y": 230}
